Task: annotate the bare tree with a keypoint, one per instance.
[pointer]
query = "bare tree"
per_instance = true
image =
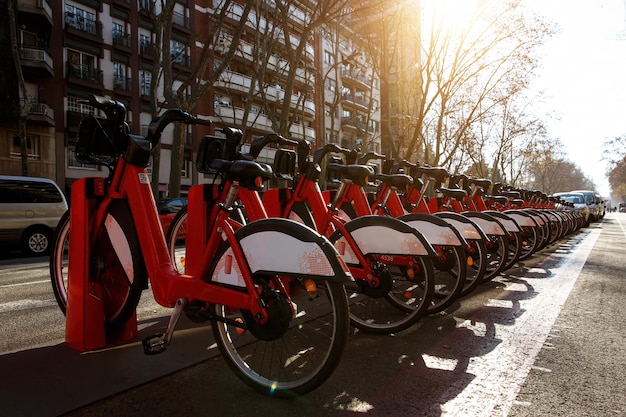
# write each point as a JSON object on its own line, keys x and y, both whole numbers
{"x": 186, "y": 92}
{"x": 615, "y": 156}
{"x": 466, "y": 73}
{"x": 23, "y": 106}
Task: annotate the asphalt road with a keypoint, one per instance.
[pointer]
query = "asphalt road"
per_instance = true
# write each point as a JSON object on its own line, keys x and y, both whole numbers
{"x": 546, "y": 339}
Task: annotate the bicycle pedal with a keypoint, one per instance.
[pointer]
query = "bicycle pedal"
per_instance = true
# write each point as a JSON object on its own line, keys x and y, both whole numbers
{"x": 153, "y": 345}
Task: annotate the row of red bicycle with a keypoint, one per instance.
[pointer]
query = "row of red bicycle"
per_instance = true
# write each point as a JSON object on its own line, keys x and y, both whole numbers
{"x": 278, "y": 273}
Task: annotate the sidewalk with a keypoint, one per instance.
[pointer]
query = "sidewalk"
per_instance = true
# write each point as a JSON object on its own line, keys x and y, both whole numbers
{"x": 579, "y": 370}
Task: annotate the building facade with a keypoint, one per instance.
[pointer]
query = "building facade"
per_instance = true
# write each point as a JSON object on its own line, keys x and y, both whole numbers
{"x": 306, "y": 81}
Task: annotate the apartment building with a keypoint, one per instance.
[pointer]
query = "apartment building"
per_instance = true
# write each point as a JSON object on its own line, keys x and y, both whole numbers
{"x": 69, "y": 49}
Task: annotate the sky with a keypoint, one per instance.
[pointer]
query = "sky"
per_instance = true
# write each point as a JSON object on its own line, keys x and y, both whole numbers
{"x": 583, "y": 79}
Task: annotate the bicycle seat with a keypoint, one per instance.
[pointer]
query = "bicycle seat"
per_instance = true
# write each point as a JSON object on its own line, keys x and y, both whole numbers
{"x": 510, "y": 194}
{"x": 456, "y": 193}
{"x": 483, "y": 183}
{"x": 358, "y": 174}
{"x": 246, "y": 173}
{"x": 437, "y": 173}
{"x": 500, "y": 199}
{"x": 395, "y": 180}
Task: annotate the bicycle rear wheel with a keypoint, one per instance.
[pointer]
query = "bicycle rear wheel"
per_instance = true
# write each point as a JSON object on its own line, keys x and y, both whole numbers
{"x": 302, "y": 342}
{"x": 450, "y": 271}
{"x": 497, "y": 254}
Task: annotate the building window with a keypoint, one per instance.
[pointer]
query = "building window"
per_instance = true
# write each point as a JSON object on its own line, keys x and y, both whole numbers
{"x": 144, "y": 82}
{"x": 33, "y": 144}
{"x": 80, "y": 19}
{"x": 330, "y": 84}
{"x": 74, "y": 104}
{"x": 178, "y": 53}
{"x": 72, "y": 162}
{"x": 83, "y": 66}
{"x": 186, "y": 171}
{"x": 119, "y": 76}
{"x": 329, "y": 58}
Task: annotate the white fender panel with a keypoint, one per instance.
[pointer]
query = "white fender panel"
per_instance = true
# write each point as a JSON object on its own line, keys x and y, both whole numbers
{"x": 488, "y": 226}
{"x": 509, "y": 224}
{"x": 381, "y": 240}
{"x": 435, "y": 234}
{"x": 521, "y": 219}
{"x": 467, "y": 230}
{"x": 274, "y": 251}
{"x": 120, "y": 246}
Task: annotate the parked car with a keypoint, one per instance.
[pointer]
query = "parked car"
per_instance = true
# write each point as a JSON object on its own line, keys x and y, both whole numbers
{"x": 579, "y": 202}
{"x": 622, "y": 208}
{"x": 30, "y": 209}
{"x": 592, "y": 202}
{"x": 168, "y": 208}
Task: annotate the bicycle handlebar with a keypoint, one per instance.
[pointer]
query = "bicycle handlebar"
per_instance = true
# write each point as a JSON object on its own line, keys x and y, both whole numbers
{"x": 116, "y": 111}
{"x": 329, "y": 147}
{"x": 370, "y": 155}
{"x": 260, "y": 142}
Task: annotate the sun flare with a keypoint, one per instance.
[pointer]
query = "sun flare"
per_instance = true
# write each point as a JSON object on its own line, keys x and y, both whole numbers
{"x": 452, "y": 13}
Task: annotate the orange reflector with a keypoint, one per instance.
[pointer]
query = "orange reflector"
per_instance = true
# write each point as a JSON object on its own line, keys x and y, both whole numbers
{"x": 258, "y": 182}
{"x": 408, "y": 295}
{"x": 470, "y": 261}
{"x": 311, "y": 287}
{"x": 342, "y": 248}
{"x": 229, "y": 264}
{"x": 410, "y": 272}
{"x": 240, "y": 331}
{"x": 182, "y": 261}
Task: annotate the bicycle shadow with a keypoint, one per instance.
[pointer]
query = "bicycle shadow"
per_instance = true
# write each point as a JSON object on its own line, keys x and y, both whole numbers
{"x": 52, "y": 380}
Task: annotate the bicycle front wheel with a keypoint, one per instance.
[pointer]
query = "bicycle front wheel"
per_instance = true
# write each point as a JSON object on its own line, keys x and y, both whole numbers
{"x": 300, "y": 345}
{"x": 59, "y": 260}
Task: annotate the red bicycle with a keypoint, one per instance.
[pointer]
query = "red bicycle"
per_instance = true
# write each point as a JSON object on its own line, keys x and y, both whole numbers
{"x": 272, "y": 290}
{"x": 390, "y": 261}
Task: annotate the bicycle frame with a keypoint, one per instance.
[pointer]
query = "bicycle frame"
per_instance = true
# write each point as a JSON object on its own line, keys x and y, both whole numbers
{"x": 91, "y": 199}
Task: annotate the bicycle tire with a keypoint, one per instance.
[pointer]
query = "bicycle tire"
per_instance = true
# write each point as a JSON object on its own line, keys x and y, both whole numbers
{"x": 176, "y": 240}
{"x": 476, "y": 255}
{"x": 401, "y": 307}
{"x": 450, "y": 273}
{"x": 380, "y": 311}
{"x": 497, "y": 254}
{"x": 59, "y": 260}
{"x": 300, "y": 359}
{"x": 120, "y": 294}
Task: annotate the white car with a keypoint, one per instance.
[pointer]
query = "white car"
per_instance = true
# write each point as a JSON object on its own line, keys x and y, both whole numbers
{"x": 578, "y": 200}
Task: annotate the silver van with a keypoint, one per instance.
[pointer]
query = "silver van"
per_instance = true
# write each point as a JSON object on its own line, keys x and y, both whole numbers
{"x": 30, "y": 209}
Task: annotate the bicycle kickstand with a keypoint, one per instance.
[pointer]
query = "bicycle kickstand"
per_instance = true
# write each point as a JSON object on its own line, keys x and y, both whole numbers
{"x": 157, "y": 343}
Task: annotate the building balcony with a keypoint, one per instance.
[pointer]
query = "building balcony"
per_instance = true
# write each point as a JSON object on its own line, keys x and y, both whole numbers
{"x": 148, "y": 50}
{"x": 37, "y": 59}
{"x": 354, "y": 77}
{"x": 146, "y": 6}
{"x": 84, "y": 74}
{"x": 352, "y": 123}
{"x": 80, "y": 26}
{"x": 240, "y": 83}
{"x": 182, "y": 60}
{"x": 181, "y": 20}
{"x": 38, "y": 7}
{"x": 40, "y": 113}
{"x": 122, "y": 85}
{"x": 121, "y": 39}
{"x": 354, "y": 100}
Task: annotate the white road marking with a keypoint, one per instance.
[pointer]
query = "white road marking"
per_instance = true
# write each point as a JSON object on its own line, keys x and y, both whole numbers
{"x": 500, "y": 373}
{"x": 26, "y": 305}
{"x": 24, "y": 283}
